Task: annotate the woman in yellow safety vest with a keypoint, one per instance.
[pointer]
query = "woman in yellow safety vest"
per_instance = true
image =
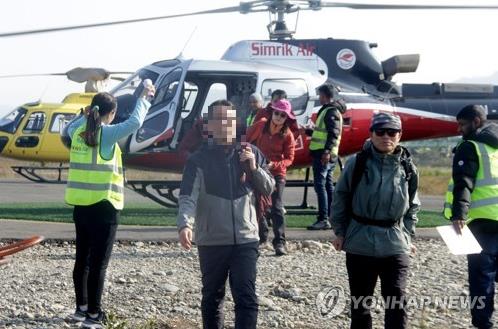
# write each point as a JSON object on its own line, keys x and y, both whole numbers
{"x": 95, "y": 188}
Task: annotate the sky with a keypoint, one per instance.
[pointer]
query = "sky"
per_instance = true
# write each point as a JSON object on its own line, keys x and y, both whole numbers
{"x": 454, "y": 45}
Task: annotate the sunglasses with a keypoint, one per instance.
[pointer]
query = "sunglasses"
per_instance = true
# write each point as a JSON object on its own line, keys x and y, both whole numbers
{"x": 280, "y": 114}
{"x": 389, "y": 132}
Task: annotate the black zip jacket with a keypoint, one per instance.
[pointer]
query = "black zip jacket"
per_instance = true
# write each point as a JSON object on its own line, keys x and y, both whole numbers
{"x": 465, "y": 168}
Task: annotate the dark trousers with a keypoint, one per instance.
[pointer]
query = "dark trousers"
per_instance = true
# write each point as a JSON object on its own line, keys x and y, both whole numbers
{"x": 95, "y": 233}
{"x": 482, "y": 275}
{"x": 276, "y": 214}
{"x": 238, "y": 264}
{"x": 324, "y": 185}
{"x": 363, "y": 272}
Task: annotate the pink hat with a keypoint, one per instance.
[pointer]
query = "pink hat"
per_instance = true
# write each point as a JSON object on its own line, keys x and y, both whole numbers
{"x": 283, "y": 105}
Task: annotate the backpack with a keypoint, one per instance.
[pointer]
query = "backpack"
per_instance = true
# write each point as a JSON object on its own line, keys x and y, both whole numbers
{"x": 361, "y": 164}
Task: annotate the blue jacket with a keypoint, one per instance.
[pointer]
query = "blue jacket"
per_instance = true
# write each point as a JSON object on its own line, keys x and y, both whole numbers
{"x": 111, "y": 134}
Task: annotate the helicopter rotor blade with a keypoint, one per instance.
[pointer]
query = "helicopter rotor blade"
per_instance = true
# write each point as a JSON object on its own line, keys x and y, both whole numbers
{"x": 30, "y": 75}
{"x": 78, "y": 74}
{"x": 84, "y": 26}
{"x": 253, "y": 7}
{"x": 353, "y": 5}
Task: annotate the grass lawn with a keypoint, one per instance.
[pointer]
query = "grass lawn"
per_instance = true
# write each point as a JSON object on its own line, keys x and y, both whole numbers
{"x": 139, "y": 214}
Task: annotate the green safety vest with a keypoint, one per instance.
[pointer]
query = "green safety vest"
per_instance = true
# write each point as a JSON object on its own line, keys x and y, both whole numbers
{"x": 484, "y": 198}
{"x": 319, "y": 136}
{"x": 92, "y": 178}
{"x": 250, "y": 119}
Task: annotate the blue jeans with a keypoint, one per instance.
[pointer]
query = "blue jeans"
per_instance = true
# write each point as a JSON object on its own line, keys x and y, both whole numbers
{"x": 482, "y": 276}
{"x": 324, "y": 186}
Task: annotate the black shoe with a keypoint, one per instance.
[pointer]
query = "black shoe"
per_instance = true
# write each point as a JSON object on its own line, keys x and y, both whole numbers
{"x": 280, "y": 250}
{"x": 320, "y": 225}
{"x": 77, "y": 316}
{"x": 97, "y": 322}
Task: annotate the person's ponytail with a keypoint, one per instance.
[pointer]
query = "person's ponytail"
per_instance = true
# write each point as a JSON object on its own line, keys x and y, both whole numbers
{"x": 93, "y": 123}
{"x": 102, "y": 104}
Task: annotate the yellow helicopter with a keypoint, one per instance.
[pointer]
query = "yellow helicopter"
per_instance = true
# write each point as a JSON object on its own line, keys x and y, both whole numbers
{"x": 31, "y": 132}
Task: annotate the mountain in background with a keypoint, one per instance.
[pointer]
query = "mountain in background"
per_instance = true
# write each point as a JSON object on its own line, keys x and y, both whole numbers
{"x": 491, "y": 79}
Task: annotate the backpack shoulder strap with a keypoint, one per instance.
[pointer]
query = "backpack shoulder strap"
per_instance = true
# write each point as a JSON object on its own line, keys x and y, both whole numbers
{"x": 407, "y": 163}
{"x": 359, "y": 169}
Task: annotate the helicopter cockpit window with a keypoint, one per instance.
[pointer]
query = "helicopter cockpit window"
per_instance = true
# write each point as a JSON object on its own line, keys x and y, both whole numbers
{"x": 296, "y": 89}
{"x": 35, "y": 124}
{"x": 59, "y": 120}
{"x": 11, "y": 121}
{"x": 152, "y": 127}
{"x": 128, "y": 92}
{"x": 166, "y": 91}
{"x": 133, "y": 85}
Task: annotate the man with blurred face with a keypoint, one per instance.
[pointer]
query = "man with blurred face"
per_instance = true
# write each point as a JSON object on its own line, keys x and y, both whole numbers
{"x": 216, "y": 194}
{"x": 472, "y": 199}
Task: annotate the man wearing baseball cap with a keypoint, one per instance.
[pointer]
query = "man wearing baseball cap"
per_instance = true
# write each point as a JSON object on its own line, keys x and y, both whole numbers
{"x": 375, "y": 211}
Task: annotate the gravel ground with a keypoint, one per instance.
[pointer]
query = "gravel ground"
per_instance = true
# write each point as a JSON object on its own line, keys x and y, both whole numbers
{"x": 161, "y": 281}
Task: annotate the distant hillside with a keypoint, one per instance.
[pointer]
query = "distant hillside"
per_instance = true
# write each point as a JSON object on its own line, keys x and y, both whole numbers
{"x": 491, "y": 79}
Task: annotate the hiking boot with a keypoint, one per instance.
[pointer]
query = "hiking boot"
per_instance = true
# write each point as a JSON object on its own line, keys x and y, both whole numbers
{"x": 97, "y": 322}
{"x": 280, "y": 250}
{"x": 320, "y": 225}
{"x": 77, "y": 316}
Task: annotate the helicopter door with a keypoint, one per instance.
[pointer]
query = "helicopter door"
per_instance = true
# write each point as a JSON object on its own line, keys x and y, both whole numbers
{"x": 29, "y": 140}
{"x": 160, "y": 120}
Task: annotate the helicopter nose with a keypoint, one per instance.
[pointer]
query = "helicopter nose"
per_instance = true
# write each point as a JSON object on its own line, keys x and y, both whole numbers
{"x": 3, "y": 141}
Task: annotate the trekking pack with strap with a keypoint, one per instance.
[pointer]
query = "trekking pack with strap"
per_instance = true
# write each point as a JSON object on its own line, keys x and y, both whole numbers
{"x": 358, "y": 172}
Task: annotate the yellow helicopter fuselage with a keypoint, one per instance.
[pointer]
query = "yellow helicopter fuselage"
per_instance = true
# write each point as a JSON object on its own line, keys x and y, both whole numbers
{"x": 32, "y": 131}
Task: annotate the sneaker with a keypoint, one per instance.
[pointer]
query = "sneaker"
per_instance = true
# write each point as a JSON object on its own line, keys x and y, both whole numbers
{"x": 95, "y": 322}
{"x": 280, "y": 250}
{"x": 320, "y": 225}
{"x": 265, "y": 246}
{"x": 77, "y": 316}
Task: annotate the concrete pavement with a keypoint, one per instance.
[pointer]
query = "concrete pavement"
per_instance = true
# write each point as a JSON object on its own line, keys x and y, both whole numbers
{"x": 19, "y": 229}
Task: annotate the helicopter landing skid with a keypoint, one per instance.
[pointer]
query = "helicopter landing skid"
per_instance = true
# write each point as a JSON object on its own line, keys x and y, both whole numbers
{"x": 31, "y": 174}
{"x": 161, "y": 192}
{"x": 304, "y": 208}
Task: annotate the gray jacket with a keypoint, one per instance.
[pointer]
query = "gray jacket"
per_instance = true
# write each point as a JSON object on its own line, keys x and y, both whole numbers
{"x": 217, "y": 200}
{"x": 383, "y": 193}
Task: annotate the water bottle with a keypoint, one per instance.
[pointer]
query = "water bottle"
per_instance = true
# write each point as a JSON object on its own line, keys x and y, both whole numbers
{"x": 148, "y": 83}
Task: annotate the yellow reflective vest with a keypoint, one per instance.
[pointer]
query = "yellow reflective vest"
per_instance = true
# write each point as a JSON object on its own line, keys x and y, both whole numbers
{"x": 484, "y": 197}
{"x": 92, "y": 178}
{"x": 319, "y": 136}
